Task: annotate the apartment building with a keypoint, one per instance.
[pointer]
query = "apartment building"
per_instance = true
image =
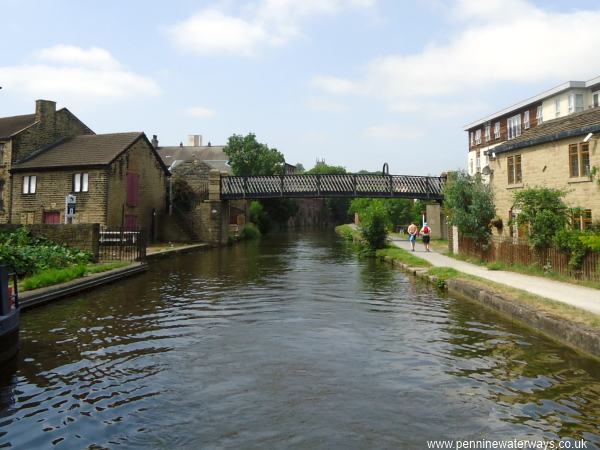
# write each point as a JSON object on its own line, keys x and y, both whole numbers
{"x": 487, "y": 133}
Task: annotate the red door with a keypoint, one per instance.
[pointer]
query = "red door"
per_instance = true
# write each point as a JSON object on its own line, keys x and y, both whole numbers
{"x": 130, "y": 222}
{"x": 51, "y": 217}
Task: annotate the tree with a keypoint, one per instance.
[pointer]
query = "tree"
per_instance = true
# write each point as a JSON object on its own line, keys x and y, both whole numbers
{"x": 544, "y": 211}
{"x": 300, "y": 168}
{"x": 469, "y": 204}
{"x": 249, "y": 157}
{"x": 322, "y": 168}
{"x": 374, "y": 224}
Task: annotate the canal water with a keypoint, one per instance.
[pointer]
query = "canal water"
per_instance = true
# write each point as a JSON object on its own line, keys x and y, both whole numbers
{"x": 290, "y": 342}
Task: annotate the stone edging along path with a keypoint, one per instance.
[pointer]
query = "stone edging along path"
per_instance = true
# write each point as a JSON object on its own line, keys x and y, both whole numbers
{"x": 572, "y": 334}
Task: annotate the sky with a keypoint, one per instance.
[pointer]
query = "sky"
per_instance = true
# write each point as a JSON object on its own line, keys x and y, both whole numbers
{"x": 355, "y": 82}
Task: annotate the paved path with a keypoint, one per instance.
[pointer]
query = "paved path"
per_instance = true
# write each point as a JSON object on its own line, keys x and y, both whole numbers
{"x": 579, "y": 296}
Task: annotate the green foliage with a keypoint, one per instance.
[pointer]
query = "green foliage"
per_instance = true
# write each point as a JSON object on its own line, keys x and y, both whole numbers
{"x": 249, "y": 231}
{"x": 279, "y": 210}
{"x": 300, "y": 168}
{"x": 544, "y": 211}
{"x": 322, "y": 168}
{"x": 184, "y": 197}
{"x": 495, "y": 266}
{"x": 398, "y": 211}
{"x": 259, "y": 217}
{"x": 469, "y": 204}
{"x": 374, "y": 224}
{"x": 347, "y": 231}
{"x": 591, "y": 241}
{"x": 569, "y": 241}
{"x": 28, "y": 255}
{"x": 249, "y": 157}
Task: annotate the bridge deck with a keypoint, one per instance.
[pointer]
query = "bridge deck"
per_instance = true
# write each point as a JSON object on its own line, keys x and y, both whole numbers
{"x": 346, "y": 185}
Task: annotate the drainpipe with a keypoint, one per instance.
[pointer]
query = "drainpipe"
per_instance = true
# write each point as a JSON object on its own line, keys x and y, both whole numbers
{"x": 171, "y": 196}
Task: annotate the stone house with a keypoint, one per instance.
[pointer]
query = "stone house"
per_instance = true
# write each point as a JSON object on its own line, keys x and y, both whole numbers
{"x": 560, "y": 153}
{"x": 20, "y": 136}
{"x": 118, "y": 180}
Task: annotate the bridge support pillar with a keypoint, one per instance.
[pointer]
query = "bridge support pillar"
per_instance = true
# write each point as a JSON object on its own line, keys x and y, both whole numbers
{"x": 213, "y": 214}
{"x": 436, "y": 219}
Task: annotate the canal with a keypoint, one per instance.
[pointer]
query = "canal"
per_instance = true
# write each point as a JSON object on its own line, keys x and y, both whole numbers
{"x": 290, "y": 342}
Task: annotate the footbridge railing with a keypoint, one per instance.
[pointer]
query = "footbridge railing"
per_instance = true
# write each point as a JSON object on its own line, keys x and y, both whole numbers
{"x": 330, "y": 185}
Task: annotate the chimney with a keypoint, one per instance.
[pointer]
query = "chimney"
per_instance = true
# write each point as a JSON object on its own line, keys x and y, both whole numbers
{"x": 194, "y": 140}
{"x": 154, "y": 141}
{"x": 45, "y": 111}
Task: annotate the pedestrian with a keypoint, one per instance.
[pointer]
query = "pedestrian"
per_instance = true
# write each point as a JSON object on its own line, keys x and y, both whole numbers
{"x": 426, "y": 231}
{"x": 412, "y": 235}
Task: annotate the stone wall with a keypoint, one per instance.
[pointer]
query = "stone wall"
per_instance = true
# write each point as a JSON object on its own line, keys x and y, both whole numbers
{"x": 152, "y": 189}
{"x": 51, "y": 190}
{"x": 546, "y": 165}
{"x": 82, "y": 236}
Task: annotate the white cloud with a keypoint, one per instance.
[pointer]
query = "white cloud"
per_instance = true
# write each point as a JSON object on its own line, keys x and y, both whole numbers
{"x": 72, "y": 71}
{"x": 69, "y": 54}
{"x": 200, "y": 112}
{"x": 325, "y": 105}
{"x": 267, "y": 22}
{"x": 392, "y": 132}
{"x": 503, "y": 41}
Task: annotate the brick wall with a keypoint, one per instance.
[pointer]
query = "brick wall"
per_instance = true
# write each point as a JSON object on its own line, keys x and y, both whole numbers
{"x": 152, "y": 189}
{"x": 82, "y": 236}
{"x": 546, "y": 165}
{"x": 51, "y": 190}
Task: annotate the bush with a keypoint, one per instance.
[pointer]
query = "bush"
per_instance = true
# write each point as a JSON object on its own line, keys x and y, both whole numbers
{"x": 259, "y": 217}
{"x": 184, "y": 197}
{"x": 544, "y": 211}
{"x": 249, "y": 231}
{"x": 469, "y": 203}
{"x": 27, "y": 255}
{"x": 374, "y": 224}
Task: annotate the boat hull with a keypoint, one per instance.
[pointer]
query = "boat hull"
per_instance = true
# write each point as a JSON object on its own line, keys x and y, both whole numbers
{"x": 9, "y": 336}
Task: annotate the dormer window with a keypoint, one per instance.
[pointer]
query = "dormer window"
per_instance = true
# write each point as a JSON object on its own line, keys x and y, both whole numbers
{"x": 575, "y": 103}
{"x": 557, "y": 107}
{"x": 596, "y": 99}
{"x": 526, "y": 119}
{"x": 478, "y": 137}
{"x": 497, "y": 130}
{"x": 539, "y": 116}
{"x": 488, "y": 132}
{"x": 513, "y": 124}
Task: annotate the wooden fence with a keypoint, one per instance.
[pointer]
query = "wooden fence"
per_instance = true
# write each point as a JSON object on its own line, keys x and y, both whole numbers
{"x": 507, "y": 251}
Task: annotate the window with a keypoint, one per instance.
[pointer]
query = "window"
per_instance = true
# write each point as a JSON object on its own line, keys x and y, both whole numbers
{"x": 488, "y": 132}
{"x": 1, "y": 195}
{"x": 539, "y": 115}
{"x": 513, "y": 165}
{"x": 1, "y": 153}
{"x": 497, "y": 130}
{"x": 526, "y": 119}
{"x": 477, "y": 162}
{"x": 579, "y": 160}
{"x": 514, "y": 126}
{"x": 557, "y": 107}
{"x": 29, "y": 184}
{"x": 575, "y": 103}
{"x": 472, "y": 138}
{"x": 596, "y": 99}
{"x": 80, "y": 182}
{"x": 478, "y": 137}
{"x": 132, "y": 188}
{"x": 582, "y": 219}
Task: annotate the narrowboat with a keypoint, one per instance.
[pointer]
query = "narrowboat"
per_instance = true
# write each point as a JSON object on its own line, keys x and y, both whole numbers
{"x": 9, "y": 315}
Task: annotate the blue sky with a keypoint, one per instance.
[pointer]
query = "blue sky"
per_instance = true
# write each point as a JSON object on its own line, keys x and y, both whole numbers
{"x": 357, "y": 82}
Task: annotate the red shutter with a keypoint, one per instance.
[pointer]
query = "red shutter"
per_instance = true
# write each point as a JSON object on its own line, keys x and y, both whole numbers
{"x": 130, "y": 222}
{"x": 132, "y": 188}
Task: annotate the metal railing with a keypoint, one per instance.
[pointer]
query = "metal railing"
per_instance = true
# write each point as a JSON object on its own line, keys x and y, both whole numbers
{"x": 122, "y": 244}
{"x": 333, "y": 185}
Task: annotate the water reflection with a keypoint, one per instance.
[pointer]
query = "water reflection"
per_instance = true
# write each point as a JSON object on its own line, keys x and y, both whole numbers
{"x": 288, "y": 342}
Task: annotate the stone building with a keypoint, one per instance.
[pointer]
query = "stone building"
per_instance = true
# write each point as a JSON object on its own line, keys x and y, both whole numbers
{"x": 118, "y": 180}
{"x": 20, "y": 136}
{"x": 560, "y": 153}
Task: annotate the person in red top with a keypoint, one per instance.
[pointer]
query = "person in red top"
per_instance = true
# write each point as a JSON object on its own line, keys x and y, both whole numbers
{"x": 425, "y": 232}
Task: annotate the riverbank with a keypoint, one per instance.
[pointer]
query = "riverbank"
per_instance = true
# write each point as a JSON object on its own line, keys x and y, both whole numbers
{"x": 573, "y": 326}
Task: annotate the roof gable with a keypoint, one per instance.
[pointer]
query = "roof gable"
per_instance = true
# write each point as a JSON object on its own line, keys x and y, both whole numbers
{"x": 9, "y": 126}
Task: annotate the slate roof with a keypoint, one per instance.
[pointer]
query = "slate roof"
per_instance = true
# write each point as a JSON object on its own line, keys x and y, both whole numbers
{"x": 12, "y": 125}
{"x": 577, "y": 124}
{"x": 80, "y": 151}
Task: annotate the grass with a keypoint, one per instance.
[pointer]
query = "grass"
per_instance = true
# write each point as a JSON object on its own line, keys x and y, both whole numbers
{"x": 51, "y": 277}
{"x": 403, "y": 256}
{"x": 348, "y": 232}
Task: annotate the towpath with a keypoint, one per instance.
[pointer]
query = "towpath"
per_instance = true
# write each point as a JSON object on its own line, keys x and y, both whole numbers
{"x": 578, "y": 296}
